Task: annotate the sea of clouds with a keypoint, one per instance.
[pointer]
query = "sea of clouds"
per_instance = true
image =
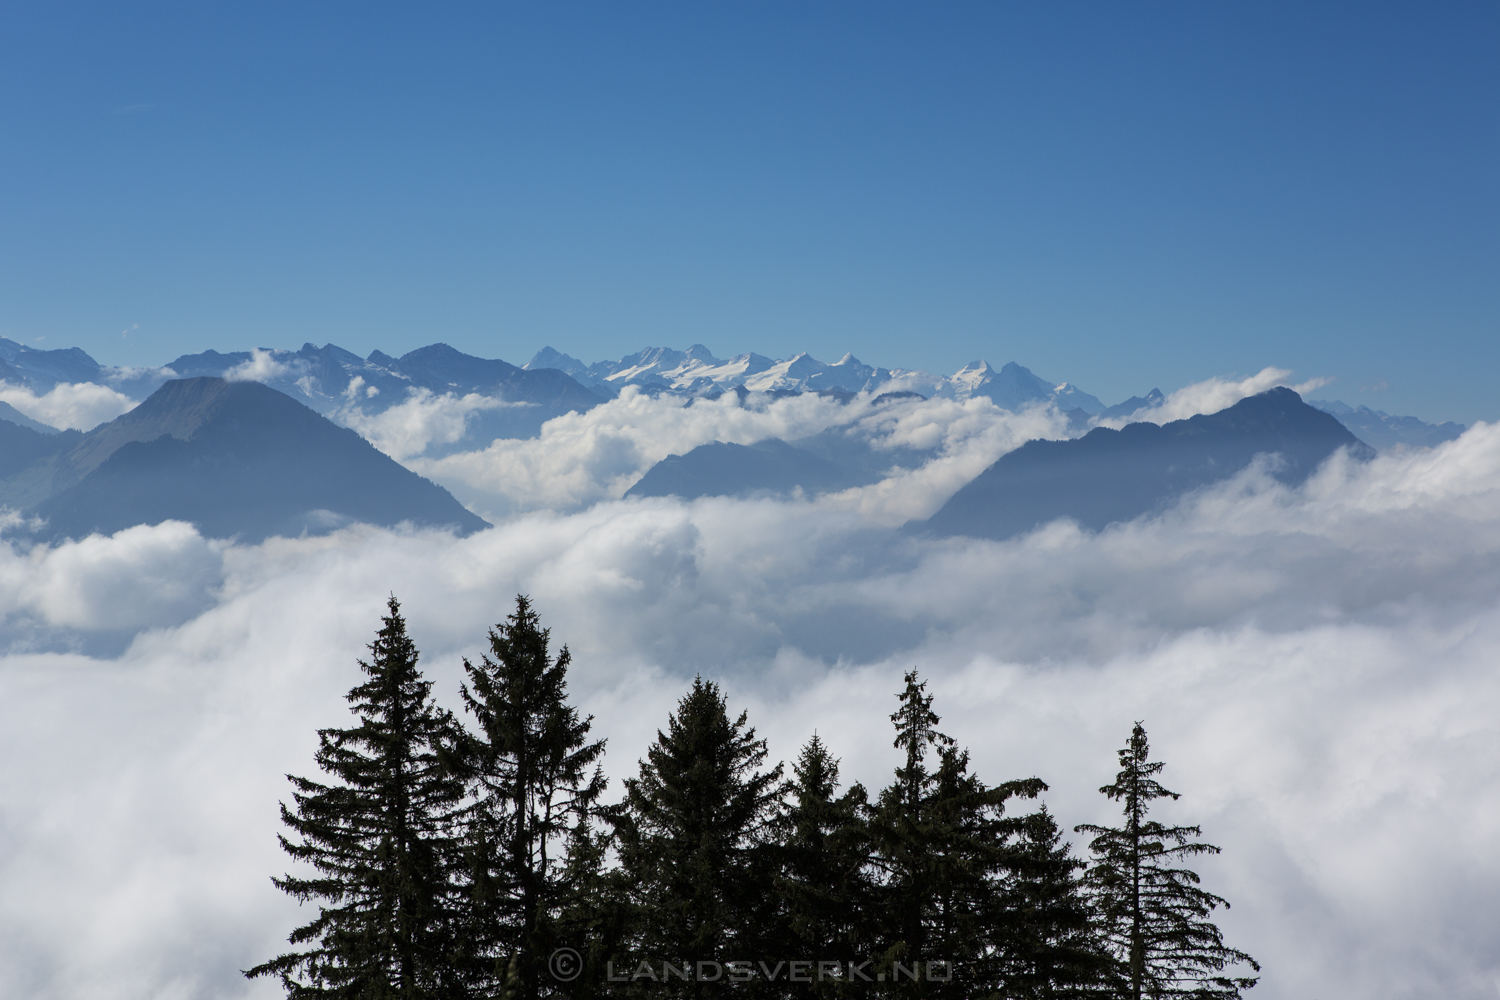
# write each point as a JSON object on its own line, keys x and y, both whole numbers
{"x": 1319, "y": 667}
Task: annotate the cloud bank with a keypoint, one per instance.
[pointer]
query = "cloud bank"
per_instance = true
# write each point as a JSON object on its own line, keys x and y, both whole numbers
{"x": 68, "y": 405}
{"x": 1212, "y": 395}
{"x": 1315, "y": 665}
{"x": 583, "y": 458}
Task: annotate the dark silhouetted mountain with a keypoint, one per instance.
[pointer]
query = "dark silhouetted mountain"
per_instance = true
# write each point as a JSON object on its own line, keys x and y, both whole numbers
{"x": 22, "y": 447}
{"x": 893, "y": 397}
{"x": 442, "y": 369}
{"x": 720, "y": 469}
{"x": 1382, "y": 431}
{"x": 208, "y": 364}
{"x": 234, "y": 458}
{"x": 1117, "y": 475}
{"x": 1132, "y": 404}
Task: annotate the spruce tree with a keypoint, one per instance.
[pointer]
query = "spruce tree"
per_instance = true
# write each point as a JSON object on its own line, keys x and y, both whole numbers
{"x": 943, "y": 845}
{"x": 380, "y": 841}
{"x": 535, "y": 778}
{"x": 694, "y": 836}
{"x": 1051, "y": 949}
{"x": 902, "y": 828}
{"x": 1155, "y": 917}
{"x": 824, "y": 885}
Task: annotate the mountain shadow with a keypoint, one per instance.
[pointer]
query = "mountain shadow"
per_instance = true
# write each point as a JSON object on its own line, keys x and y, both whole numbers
{"x": 1117, "y": 475}
{"x": 236, "y": 459}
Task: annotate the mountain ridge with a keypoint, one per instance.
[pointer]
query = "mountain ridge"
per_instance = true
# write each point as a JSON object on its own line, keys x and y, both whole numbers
{"x": 1108, "y": 475}
{"x": 235, "y": 458}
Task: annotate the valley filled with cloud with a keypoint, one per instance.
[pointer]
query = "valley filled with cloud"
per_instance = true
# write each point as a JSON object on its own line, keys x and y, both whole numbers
{"x": 1316, "y": 664}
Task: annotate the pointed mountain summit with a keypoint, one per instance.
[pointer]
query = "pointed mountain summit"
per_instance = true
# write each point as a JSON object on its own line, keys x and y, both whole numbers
{"x": 234, "y": 458}
{"x": 1134, "y": 404}
{"x": 1117, "y": 475}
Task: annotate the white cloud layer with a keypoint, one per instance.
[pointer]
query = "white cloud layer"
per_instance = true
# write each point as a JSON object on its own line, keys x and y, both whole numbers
{"x": 418, "y": 422}
{"x": 262, "y": 366}
{"x": 1316, "y": 666}
{"x": 583, "y": 458}
{"x": 1211, "y": 396}
{"x": 68, "y": 405}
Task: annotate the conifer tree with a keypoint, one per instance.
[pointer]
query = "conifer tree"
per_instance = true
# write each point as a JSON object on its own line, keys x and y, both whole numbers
{"x": 902, "y": 827}
{"x": 824, "y": 885}
{"x": 694, "y": 832}
{"x": 1051, "y": 947}
{"x": 535, "y": 776}
{"x": 943, "y": 845}
{"x": 1154, "y": 915}
{"x": 380, "y": 841}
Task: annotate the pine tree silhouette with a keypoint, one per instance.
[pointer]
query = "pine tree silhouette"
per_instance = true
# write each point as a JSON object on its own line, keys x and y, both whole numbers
{"x": 943, "y": 847}
{"x": 1155, "y": 917}
{"x": 535, "y": 777}
{"x": 694, "y": 836}
{"x": 825, "y": 888}
{"x": 380, "y": 840}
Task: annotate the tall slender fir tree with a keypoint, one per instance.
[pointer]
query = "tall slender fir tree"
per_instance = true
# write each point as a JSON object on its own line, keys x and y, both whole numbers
{"x": 535, "y": 779}
{"x": 380, "y": 841}
{"x": 1155, "y": 917}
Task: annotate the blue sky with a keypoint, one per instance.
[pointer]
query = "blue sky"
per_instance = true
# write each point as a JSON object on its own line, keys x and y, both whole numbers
{"x": 1122, "y": 195}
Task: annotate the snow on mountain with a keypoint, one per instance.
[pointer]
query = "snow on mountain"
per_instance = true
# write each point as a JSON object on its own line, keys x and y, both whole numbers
{"x": 696, "y": 371}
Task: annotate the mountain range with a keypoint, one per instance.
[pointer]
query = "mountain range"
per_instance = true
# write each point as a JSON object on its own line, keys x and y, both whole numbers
{"x": 248, "y": 443}
{"x": 1098, "y": 479}
{"x": 696, "y": 371}
{"x": 336, "y": 382}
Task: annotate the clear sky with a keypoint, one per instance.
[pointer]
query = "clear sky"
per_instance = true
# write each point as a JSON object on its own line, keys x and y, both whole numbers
{"x": 1121, "y": 195}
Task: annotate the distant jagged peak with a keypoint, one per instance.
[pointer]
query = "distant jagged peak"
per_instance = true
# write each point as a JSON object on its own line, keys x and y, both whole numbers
{"x": 549, "y": 357}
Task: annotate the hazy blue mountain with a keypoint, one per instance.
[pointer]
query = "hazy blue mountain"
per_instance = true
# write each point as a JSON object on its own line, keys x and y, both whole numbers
{"x": 720, "y": 469}
{"x": 21, "y": 447}
{"x": 1132, "y": 404}
{"x": 1382, "y": 431}
{"x": 549, "y": 358}
{"x": 329, "y": 378}
{"x": 11, "y": 414}
{"x": 1117, "y": 475}
{"x": 235, "y": 458}
{"x": 207, "y": 364}
{"x": 40, "y": 370}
